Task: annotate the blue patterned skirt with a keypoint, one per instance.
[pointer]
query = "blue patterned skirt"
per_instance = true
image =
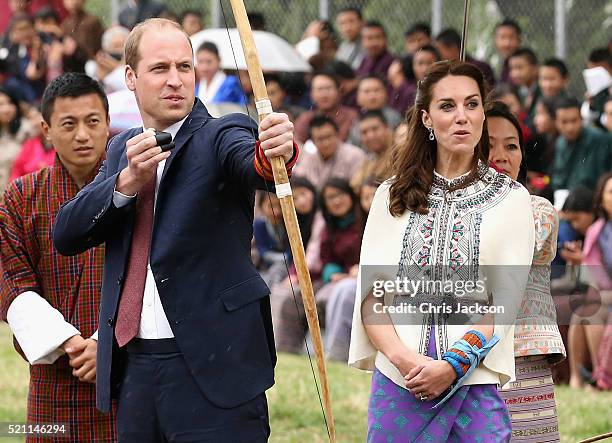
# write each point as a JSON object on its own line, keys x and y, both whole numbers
{"x": 475, "y": 413}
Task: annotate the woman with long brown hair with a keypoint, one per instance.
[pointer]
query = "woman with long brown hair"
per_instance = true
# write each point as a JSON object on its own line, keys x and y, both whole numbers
{"x": 437, "y": 272}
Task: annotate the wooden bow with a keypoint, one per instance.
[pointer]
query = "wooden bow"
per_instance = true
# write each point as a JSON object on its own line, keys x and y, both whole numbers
{"x": 283, "y": 191}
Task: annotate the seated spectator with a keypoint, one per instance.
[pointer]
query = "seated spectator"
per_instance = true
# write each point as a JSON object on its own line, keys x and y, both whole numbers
{"x": 592, "y": 108}
{"x": 591, "y": 311}
{"x": 14, "y": 130}
{"x": 544, "y": 145}
{"x": 422, "y": 61}
{"x": 448, "y": 44}
{"x": 339, "y": 309}
{"x": 508, "y": 94}
{"x": 24, "y": 59}
{"x": 377, "y": 139}
{"x": 36, "y": 152}
{"x": 332, "y": 158}
{"x": 306, "y": 204}
{"x": 318, "y": 44}
{"x": 607, "y": 115}
{"x": 108, "y": 66}
{"x": 137, "y": 11}
{"x": 582, "y": 154}
{"x": 278, "y": 97}
{"x": 350, "y": 22}
{"x": 214, "y": 86}
{"x": 416, "y": 37}
{"x": 598, "y": 256}
{"x": 348, "y": 83}
{"x": 402, "y": 86}
{"x": 271, "y": 239}
{"x": 31, "y": 7}
{"x": 82, "y": 36}
{"x": 553, "y": 78}
{"x": 191, "y": 21}
{"x": 508, "y": 35}
{"x": 372, "y": 96}
{"x": 257, "y": 21}
{"x": 377, "y": 57}
{"x": 325, "y": 95}
{"x": 339, "y": 253}
{"x": 524, "y": 72}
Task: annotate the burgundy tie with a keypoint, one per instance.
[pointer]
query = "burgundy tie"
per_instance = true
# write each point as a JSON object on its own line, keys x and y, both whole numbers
{"x": 130, "y": 304}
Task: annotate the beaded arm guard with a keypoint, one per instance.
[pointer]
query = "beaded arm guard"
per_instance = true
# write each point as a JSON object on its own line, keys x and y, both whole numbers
{"x": 465, "y": 355}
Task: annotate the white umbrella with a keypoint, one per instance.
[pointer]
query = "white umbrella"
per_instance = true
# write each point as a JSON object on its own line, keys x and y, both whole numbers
{"x": 275, "y": 53}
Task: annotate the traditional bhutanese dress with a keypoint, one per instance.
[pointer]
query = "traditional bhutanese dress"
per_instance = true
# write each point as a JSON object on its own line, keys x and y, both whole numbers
{"x": 70, "y": 285}
{"x": 481, "y": 232}
{"x": 537, "y": 342}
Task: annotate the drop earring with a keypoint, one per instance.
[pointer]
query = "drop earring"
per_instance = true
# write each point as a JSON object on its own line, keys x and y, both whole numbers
{"x": 431, "y": 134}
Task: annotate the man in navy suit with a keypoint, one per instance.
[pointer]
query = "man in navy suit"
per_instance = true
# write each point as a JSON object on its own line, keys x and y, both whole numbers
{"x": 185, "y": 335}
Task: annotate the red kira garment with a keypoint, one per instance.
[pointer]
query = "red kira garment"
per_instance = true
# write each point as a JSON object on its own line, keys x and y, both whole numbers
{"x": 70, "y": 284}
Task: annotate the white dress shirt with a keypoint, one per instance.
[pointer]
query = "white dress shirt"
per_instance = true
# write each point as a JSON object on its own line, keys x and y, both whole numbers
{"x": 153, "y": 321}
{"x": 40, "y": 329}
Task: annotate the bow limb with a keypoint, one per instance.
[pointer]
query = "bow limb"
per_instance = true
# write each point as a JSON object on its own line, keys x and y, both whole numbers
{"x": 466, "y": 15}
{"x": 283, "y": 191}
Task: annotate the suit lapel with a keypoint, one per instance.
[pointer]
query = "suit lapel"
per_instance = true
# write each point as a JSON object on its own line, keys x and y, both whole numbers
{"x": 194, "y": 121}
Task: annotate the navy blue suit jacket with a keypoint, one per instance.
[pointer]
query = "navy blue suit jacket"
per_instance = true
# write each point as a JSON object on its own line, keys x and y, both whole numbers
{"x": 216, "y": 303}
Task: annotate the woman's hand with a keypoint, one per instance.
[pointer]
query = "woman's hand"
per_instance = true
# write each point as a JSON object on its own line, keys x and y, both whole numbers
{"x": 572, "y": 252}
{"x": 430, "y": 379}
{"x": 407, "y": 360}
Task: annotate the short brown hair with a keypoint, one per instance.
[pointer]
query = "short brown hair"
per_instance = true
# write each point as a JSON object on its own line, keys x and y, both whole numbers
{"x": 132, "y": 45}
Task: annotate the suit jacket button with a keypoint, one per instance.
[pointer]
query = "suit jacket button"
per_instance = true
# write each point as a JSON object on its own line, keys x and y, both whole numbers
{"x": 120, "y": 280}
{"x": 109, "y": 322}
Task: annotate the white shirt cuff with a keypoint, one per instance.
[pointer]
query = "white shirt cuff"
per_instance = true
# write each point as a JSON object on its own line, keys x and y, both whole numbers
{"x": 120, "y": 200}
{"x": 94, "y": 336}
{"x": 39, "y": 328}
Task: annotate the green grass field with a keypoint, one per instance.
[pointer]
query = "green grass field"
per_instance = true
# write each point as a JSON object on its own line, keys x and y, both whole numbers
{"x": 294, "y": 405}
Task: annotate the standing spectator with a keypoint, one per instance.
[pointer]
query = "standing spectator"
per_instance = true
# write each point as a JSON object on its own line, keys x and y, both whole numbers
{"x": 553, "y": 78}
{"x": 51, "y": 302}
{"x": 377, "y": 58}
{"x": 524, "y": 72}
{"x": 82, "y": 36}
{"x": 350, "y": 24}
{"x": 325, "y": 95}
{"x": 14, "y": 130}
{"x": 448, "y": 44}
{"x": 137, "y": 11}
{"x": 508, "y": 36}
{"x": 372, "y": 96}
{"x": 108, "y": 66}
{"x": 582, "y": 154}
{"x": 191, "y": 21}
{"x": 416, "y": 37}
{"x": 332, "y": 158}
{"x": 377, "y": 138}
